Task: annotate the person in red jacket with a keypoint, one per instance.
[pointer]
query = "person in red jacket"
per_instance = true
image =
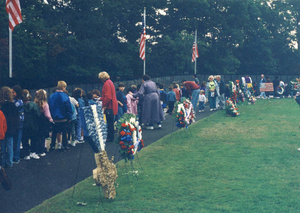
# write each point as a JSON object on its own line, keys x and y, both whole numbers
{"x": 3, "y": 126}
{"x": 109, "y": 103}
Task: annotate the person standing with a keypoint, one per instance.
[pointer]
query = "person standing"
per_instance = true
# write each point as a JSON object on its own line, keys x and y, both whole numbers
{"x": 262, "y": 80}
{"x": 32, "y": 115}
{"x": 61, "y": 112}
{"x": 109, "y": 103}
{"x": 171, "y": 100}
{"x": 193, "y": 90}
{"x": 212, "y": 92}
{"x": 221, "y": 97}
{"x": 152, "y": 109}
{"x": 196, "y": 80}
{"x": 10, "y": 112}
{"x": 17, "y": 95}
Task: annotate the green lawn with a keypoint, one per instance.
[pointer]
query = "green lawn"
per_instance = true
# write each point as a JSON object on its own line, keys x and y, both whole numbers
{"x": 249, "y": 163}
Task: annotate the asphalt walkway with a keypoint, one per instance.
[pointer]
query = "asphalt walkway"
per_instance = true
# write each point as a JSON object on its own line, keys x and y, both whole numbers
{"x": 35, "y": 181}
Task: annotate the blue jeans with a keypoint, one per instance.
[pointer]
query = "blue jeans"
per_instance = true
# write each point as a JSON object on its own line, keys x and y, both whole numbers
{"x": 7, "y": 149}
{"x": 195, "y": 98}
{"x": 212, "y": 102}
{"x": 201, "y": 105}
{"x": 120, "y": 113}
{"x": 263, "y": 94}
{"x": 17, "y": 144}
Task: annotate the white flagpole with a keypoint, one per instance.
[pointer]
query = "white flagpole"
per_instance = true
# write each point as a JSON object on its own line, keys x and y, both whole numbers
{"x": 195, "y": 50}
{"x": 10, "y": 53}
{"x": 145, "y": 40}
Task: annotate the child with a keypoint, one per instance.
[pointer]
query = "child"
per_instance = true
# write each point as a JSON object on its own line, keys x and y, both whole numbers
{"x": 122, "y": 108}
{"x": 176, "y": 91}
{"x": 171, "y": 100}
{"x": 202, "y": 101}
{"x": 131, "y": 102}
{"x": 10, "y": 112}
{"x": 31, "y": 127}
{"x": 17, "y": 96}
{"x": 72, "y": 124}
{"x": 77, "y": 95}
{"x": 90, "y": 99}
{"x": 162, "y": 95}
{"x": 44, "y": 122}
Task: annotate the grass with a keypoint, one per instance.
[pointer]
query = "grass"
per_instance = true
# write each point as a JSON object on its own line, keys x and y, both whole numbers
{"x": 249, "y": 163}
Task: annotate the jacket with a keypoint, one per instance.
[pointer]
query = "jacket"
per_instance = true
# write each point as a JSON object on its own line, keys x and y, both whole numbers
{"x": 109, "y": 99}
{"x": 3, "y": 126}
{"x": 60, "y": 106}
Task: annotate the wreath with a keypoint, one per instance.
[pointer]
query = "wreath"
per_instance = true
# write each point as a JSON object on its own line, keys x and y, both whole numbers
{"x": 130, "y": 136}
{"x": 231, "y": 109}
{"x": 280, "y": 90}
{"x": 184, "y": 113}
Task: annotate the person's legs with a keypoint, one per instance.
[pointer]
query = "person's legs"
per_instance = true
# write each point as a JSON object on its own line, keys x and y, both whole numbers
{"x": 8, "y": 154}
{"x": 64, "y": 132}
{"x": 55, "y": 130}
{"x": 16, "y": 146}
{"x": 110, "y": 124}
{"x": 195, "y": 98}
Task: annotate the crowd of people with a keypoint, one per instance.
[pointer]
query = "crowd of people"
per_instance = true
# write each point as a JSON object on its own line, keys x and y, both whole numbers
{"x": 26, "y": 123}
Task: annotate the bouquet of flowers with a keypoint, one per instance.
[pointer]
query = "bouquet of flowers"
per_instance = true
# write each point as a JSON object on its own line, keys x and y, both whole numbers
{"x": 130, "y": 136}
{"x": 252, "y": 100}
{"x": 231, "y": 109}
{"x": 184, "y": 113}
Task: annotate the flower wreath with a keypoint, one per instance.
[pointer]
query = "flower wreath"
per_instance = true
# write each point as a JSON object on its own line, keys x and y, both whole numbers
{"x": 231, "y": 109}
{"x": 130, "y": 136}
{"x": 280, "y": 90}
{"x": 184, "y": 113}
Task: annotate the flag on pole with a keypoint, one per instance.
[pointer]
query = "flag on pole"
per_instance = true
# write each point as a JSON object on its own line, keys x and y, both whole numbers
{"x": 143, "y": 39}
{"x": 195, "y": 50}
{"x": 13, "y": 9}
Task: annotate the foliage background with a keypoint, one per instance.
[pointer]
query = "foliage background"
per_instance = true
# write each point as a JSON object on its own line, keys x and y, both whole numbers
{"x": 80, "y": 38}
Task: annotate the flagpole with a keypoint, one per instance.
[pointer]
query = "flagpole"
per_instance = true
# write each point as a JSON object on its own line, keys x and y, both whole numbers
{"x": 145, "y": 42}
{"x": 10, "y": 53}
{"x": 195, "y": 57}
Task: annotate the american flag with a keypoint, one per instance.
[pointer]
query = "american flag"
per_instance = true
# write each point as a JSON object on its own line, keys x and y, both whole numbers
{"x": 143, "y": 40}
{"x": 195, "y": 51}
{"x": 13, "y": 9}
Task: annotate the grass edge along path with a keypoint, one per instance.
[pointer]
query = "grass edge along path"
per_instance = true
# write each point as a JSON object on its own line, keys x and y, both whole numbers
{"x": 249, "y": 163}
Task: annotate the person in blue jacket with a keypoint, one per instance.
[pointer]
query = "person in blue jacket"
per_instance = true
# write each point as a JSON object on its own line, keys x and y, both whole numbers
{"x": 61, "y": 112}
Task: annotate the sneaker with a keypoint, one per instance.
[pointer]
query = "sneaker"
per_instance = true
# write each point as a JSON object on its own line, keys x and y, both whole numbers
{"x": 215, "y": 109}
{"x": 16, "y": 162}
{"x": 27, "y": 158}
{"x": 81, "y": 138}
{"x": 211, "y": 110}
{"x": 65, "y": 148}
{"x": 150, "y": 127}
{"x": 159, "y": 126}
{"x": 59, "y": 146}
{"x": 73, "y": 143}
{"x": 81, "y": 141}
{"x": 69, "y": 141}
{"x": 34, "y": 156}
{"x": 200, "y": 110}
{"x": 42, "y": 154}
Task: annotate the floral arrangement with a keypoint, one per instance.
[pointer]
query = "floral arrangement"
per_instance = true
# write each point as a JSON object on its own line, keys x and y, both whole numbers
{"x": 231, "y": 109}
{"x": 252, "y": 100}
{"x": 94, "y": 126}
{"x": 184, "y": 113}
{"x": 280, "y": 90}
{"x": 130, "y": 136}
{"x": 105, "y": 174}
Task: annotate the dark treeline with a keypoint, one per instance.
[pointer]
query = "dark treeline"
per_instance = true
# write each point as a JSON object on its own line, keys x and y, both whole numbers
{"x": 80, "y": 38}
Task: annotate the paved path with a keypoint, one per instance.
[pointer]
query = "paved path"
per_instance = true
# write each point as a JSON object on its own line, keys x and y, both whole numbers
{"x": 37, "y": 180}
